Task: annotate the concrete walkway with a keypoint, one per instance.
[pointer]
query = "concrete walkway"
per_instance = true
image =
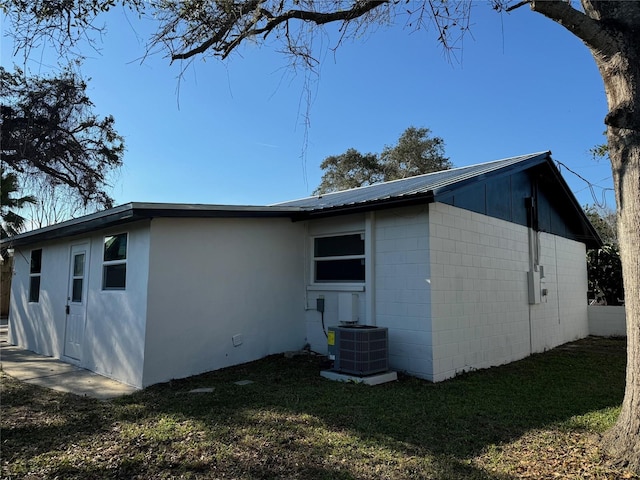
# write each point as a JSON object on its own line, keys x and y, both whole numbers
{"x": 51, "y": 373}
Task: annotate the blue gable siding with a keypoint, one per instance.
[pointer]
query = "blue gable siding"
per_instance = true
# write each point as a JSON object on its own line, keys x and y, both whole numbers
{"x": 502, "y": 197}
{"x": 505, "y": 198}
{"x": 498, "y": 202}
{"x": 520, "y": 189}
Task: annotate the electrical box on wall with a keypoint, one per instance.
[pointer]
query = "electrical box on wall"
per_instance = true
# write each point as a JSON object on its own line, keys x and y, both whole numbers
{"x": 320, "y": 304}
{"x": 533, "y": 280}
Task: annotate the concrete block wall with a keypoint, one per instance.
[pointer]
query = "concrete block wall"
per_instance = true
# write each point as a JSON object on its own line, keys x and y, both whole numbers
{"x": 451, "y": 285}
{"x": 480, "y": 310}
{"x": 572, "y": 289}
{"x": 545, "y": 320}
{"x": 401, "y": 286}
{"x": 562, "y": 315}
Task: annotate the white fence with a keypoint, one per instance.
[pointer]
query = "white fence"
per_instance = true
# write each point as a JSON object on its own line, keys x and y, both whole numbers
{"x": 607, "y": 321}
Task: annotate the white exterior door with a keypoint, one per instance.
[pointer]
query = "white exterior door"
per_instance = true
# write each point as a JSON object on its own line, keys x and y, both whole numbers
{"x": 76, "y": 308}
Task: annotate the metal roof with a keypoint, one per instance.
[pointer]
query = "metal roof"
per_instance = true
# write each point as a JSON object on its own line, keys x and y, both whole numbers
{"x": 422, "y": 186}
{"x": 419, "y": 189}
{"x": 131, "y": 212}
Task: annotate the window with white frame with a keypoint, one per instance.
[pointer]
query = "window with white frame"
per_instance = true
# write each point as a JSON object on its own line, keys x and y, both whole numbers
{"x": 35, "y": 269}
{"x": 339, "y": 259}
{"x": 114, "y": 266}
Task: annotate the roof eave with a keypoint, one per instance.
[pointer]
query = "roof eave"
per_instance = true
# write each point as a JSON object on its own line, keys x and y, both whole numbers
{"x": 591, "y": 243}
{"x": 77, "y": 226}
{"x": 132, "y": 212}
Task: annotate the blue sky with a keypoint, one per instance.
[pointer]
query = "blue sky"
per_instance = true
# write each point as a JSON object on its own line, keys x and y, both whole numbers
{"x": 234, "y": 132}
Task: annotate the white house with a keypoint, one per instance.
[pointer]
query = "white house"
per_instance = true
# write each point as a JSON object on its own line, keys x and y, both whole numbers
{"x": 468, "y": 268}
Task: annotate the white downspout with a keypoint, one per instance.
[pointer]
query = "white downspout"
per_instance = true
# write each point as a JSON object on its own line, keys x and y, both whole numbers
{"x": 369, "y": 267}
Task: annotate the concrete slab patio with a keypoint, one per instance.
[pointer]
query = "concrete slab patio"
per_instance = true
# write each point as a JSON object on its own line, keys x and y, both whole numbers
{"x": 51, "y": 373}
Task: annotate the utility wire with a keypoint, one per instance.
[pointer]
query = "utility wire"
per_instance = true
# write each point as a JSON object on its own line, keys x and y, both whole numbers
{"x": 600, "y": 203}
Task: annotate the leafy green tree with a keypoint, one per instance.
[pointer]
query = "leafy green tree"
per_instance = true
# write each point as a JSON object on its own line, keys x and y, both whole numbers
{"x": 350, "y": 169}
{"x": 608, "y": 28}
{"x": 604, "y": 271}
{"x": 12, "y": 223}
{"x": 600, "y": 151}
{"x": 416, "y": 152}
{"x": 604, "y": 221}
{"x": 604, "y": 267}
{"x": 50, "y": 132}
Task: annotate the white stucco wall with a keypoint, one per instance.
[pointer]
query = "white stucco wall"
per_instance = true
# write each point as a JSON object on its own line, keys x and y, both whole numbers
{"x": 39, "y": 327}
{"x": 401, "y": 287}
{"x": 315, "y": 334}
{"x": 222, "y": 292}
{"x": 114, "y": 325}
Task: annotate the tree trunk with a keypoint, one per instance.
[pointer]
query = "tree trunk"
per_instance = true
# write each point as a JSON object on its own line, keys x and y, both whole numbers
{"x": 621, "y": 75}
{"x": 611, "y": 29}
{"x": 623, "y": 440}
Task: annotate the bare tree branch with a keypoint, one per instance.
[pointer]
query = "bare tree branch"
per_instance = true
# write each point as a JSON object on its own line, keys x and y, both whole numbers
{"x": 516, "y": 6}
{"x": 260, "y": 14}
{"x": 589, "y": 30}
{"x": 49, "y": 130}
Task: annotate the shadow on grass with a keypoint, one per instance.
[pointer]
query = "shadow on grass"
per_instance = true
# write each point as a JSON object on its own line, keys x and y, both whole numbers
{"x": 34, "y": 417}
{"x": 460, "y": 416}
{"x": 291, "y": 422}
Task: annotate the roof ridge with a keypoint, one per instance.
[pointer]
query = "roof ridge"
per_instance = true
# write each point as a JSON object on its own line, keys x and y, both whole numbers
{"x": 515, "y": 159}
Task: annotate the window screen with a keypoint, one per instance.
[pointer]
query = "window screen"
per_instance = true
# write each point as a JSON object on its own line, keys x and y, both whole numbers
{"x": 34, "y": 288}
{"x": 339, "y": 246}
{"x": 115, "y": 277}
{"x": 115, "y": 247}
{"x": 35, "y": 268}
{"x": 114, "y": 268}
{"x": 339, "y": 258}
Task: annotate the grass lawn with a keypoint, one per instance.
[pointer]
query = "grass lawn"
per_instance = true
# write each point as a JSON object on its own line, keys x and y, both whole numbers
{"x": 537, "y": 418}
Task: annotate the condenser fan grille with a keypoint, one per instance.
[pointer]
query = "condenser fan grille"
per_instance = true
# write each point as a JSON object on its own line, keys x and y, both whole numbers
{"x": 360, "y": 349}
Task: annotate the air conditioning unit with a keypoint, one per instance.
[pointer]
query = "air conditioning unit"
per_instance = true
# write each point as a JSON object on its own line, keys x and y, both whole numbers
{"x": 359, "y": 349}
